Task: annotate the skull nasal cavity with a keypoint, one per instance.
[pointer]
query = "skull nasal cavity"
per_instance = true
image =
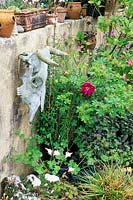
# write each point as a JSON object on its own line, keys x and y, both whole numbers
{"x": 37, "y": 82}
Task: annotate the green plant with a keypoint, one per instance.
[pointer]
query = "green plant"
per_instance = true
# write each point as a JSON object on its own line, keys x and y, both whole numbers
{"x": 111, "y": 182}
{"x": 93, "y": 127}
{"x": 95, "y": 2}
{"x": 84, "y": 5}
{"x": 15, "y": 187}
{"x": 59, "y": 191}
{"x": 97, "y": 7}
{"x": 17, "y": 4}
{"x": 102, "y": 135}
{"x": 92, "y": 123}
{"x": 32, "y": 156}
{"x": 88, "y": 108}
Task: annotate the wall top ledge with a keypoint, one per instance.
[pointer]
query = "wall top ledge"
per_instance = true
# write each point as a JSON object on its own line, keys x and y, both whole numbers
{"x": 66, "y": 22}
{"x": 38, "y": 38}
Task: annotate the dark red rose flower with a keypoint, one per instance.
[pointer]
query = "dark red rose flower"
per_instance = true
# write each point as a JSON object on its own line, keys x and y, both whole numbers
{"x": 87, "y": 88}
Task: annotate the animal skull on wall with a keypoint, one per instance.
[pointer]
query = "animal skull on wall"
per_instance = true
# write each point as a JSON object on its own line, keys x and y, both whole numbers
{"x": 33, "y": 89}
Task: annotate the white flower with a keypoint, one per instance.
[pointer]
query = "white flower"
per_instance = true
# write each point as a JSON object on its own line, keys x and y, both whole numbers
{"x": 50, "y": 152}
{"x": 25, "y": 1}
{"x": 68, "y": 154}
{"x": 34, "y": 180}
{"x": 61, "y": 1}
{"x": 56, "y": 153}
{"x": 51, "y": 178}
{"x": 70, "y": 169}
{"x": 29, "y": 196}
{"x": 33, "y": 1}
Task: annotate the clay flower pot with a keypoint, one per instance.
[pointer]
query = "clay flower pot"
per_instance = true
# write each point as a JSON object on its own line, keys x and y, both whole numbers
{"x": 24, "y": 19}
{"x": 31, "y": 19}
{"x": 74, "y": 10}
{"x": 7, "y": 21}
{"x": 61, "y": 13}
{"x": 39, "y": 19}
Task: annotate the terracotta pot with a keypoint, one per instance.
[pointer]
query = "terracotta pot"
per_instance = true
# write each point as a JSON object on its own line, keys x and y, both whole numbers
{"x": 61, "y": 14}
{"x": 74, "y": 10}
{"x": 7, "y": 21}
{"x": 24, "y": 19}
{"x": 51, "y": 18}
{"x": 31, "y": 19}
{"x": 39, "y": 19}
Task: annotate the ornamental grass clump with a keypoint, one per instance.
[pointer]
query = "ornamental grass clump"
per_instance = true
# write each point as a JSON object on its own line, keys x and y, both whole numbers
{"x": 112, "y": 182}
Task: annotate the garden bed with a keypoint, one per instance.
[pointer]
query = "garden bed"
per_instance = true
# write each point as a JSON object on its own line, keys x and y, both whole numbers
{"x": 82, "y": 145}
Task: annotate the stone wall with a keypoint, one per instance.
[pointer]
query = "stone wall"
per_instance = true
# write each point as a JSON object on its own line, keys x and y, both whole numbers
{"x": 13, "y": 114}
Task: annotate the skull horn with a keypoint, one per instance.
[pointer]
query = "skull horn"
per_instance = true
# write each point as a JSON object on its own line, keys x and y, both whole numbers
{"x": 56, "y": 51}
{"x": 45, "y": 59}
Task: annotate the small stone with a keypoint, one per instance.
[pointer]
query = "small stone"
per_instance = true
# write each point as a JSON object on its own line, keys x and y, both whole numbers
{"x": 20, "y": 29}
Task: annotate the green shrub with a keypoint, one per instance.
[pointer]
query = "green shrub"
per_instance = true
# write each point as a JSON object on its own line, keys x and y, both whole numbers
{"x": 59, "y": 191}
{"x": 96, "y": 124}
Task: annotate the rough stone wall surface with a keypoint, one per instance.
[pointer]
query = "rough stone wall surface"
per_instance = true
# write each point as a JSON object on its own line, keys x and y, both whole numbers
{"x": 13, "y": 114}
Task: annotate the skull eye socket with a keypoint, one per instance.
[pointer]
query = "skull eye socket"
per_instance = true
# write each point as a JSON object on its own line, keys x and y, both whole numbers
{"x": 26, "y": 64}
{"x": 37, "y": 82}
{"x": 25, "y": 54}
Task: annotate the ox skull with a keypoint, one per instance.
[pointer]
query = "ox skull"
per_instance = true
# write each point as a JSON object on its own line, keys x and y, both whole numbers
{"x": 33, "y": 89}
